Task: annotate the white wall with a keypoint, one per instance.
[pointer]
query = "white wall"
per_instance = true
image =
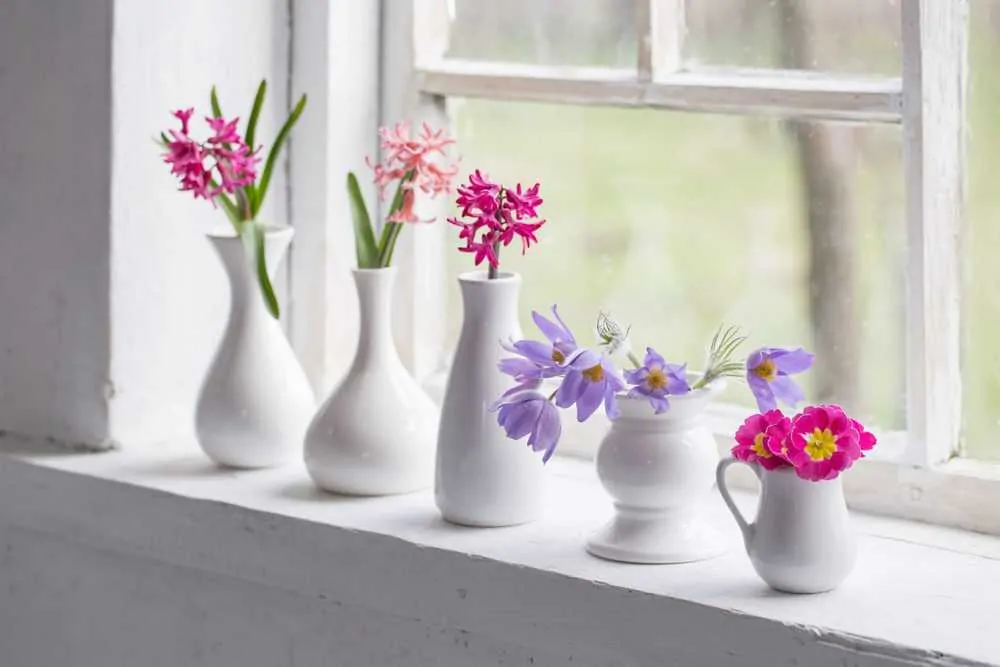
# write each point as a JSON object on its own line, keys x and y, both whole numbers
{"x": 170, "y": 298}
{"x": 110, "y": 299}
{"x": 55, "y": 142}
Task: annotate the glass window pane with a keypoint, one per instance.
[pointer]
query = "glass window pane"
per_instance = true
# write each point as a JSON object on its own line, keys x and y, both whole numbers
{"x": 857, "y": 36}
{"x": 677, "y": 222}
{"x": 597, "y": 33}
{"x": 981, "y": 299}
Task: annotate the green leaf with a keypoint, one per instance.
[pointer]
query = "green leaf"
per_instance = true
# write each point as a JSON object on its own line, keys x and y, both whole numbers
{"x": 272, "y": 156}
{"x": 260, "y": 262}
{"x": 258, "y": 102}
{"x": 216, "y": 109}
{"x": 164, "y": 140}
{"x": 364, "y": 237}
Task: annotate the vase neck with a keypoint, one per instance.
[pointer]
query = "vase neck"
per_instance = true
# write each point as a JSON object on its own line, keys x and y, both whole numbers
{"x": 374, "y": 287}
{"x": 491, "y": 304}
{"x": 785, "y": 487}
{"x": 246, "y": 298}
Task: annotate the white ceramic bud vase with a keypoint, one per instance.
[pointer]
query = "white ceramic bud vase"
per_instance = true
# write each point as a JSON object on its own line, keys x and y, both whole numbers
{"x": 483, "y": 478}
{"x": 255, "y": 401}
{"x": 375, "y": 434}
{"x": 801, "y": 540}
{"x": 659, "y": 471}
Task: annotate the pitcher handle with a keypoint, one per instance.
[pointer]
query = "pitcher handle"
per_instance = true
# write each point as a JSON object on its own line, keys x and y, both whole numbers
{"x": 720, "y": 478}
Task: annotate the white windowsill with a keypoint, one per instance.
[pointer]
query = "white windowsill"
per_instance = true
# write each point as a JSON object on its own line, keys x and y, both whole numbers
{"x": 920, "y": 594}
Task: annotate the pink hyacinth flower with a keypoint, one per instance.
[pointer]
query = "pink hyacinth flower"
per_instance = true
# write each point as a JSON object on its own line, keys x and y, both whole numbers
{"x": 762, "y": 439}
{"x": 823, "y": 442}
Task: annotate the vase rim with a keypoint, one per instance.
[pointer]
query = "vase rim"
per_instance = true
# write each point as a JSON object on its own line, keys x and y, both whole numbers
{"x": 479, "y": 276}
{"x": 270, "y": 231}
{"x": 373, "y": 270}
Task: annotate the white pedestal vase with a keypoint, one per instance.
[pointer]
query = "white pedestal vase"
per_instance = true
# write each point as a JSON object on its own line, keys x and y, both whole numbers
{"x": 659, "y": 471}
{"x": 801, "y": 540}
{"x": 255, "y": 401}
{"x": 483, "y": 478}
{"x": 375, "y": 434}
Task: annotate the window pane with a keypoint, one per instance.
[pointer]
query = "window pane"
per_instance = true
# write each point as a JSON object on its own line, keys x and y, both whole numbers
{"x": 545, "y": 32}
{"x": 677, "y": 222}
{"x": 981, "y": 303}
{"x": 858, "y": 36}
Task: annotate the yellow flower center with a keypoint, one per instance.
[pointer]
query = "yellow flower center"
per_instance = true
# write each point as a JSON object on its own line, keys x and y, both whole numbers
{"x": 821, "y": 444}
{"x": 594, "y": 374}
{"x": 766, "y": 370}
{"x": 758, "y": 447}
{"x": 558, "y": 356}
{"x": 656, "y": 379}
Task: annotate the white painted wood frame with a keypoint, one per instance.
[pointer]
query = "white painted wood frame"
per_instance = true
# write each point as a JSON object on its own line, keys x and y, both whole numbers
{"x": 927, "y": 100}
{"x": 935, "y": 79}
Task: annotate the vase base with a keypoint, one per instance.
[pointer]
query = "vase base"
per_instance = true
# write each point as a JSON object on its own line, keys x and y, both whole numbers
{"x": 656, "y": 541}
{"x": 491, "y": 522}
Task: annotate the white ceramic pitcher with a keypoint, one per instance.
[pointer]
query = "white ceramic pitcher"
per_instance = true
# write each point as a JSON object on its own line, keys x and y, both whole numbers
{"x": 801, "y": 540}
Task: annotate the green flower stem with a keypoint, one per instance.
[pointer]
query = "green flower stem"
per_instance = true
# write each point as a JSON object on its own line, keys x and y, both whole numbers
{"x": 494, "y": 271}
{"x": 634, "y": 359}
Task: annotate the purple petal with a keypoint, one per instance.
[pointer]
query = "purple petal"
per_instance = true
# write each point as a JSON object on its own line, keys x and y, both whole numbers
{"x": 641, "y": 391}
{"x": 793, "y": 361}
{"x": 585, "y": 359}
{"x": 569, "y": 390}
{"x": 637, "y": 376}
{"x": 547, "y": 431}
{"x": 569, "y": 334}
{"x": 762, "y": 392}
{"x": 589, "y": 400}
{"x": 517, "y": 366}
{"x": 786, "y": 391}
{"x": 527, "y": 386}
{"x": 549, "y": 329}
{"x": 653, "y": 359}
{"x": 522, "y": 418}
{"x": 677, "y": 379}
{"x": 757, "y": 357}
{"x": 660, "y": 404}
{"x": 611, "y": 405}
{"x": 537, "y": 351}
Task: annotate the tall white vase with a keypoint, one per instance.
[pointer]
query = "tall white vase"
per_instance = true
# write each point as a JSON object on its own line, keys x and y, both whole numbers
{"x": 659, "y": 470}
{"x": 483, "y": 478}
{"x": 801, "y": 540}
{"x": 255, "y": 401}
{"x": 375, "y": 434}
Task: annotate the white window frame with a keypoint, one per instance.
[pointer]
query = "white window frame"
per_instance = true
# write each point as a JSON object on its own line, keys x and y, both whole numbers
{"x": 918, "y": 474}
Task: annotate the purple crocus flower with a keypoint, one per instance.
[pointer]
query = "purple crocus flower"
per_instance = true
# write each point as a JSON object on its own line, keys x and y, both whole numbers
{"x": 532, "y": 414}
{"x": 655, "y": 379}
{"x": 590, "y": 379}
{"x": 537, "y": 359}
{"x": 768, "y": 371}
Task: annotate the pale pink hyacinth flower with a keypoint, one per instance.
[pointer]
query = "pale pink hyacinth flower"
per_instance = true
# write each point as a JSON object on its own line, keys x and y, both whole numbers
{"x": 417, "y": 157}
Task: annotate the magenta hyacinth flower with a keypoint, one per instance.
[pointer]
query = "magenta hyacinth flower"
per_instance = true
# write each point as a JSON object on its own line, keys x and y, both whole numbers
{"x": 590, "y": 379}
{"x": 531, "y": 414}
{"x": 768, "y": 371}
{"x": 823, "y": 442}
{"x": 536, "y": 359}
{"x": 763, "y": 439}
{"x": 656, "y": 379}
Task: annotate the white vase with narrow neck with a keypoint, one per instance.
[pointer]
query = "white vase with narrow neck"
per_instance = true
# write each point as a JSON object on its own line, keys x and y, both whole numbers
{"x": 483, "y": 478}
{"x": 801, "y": 540}
{"x": 255, "y": 401}
{"x": 659, "y": 471}
{"x": 375, "y": 434}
